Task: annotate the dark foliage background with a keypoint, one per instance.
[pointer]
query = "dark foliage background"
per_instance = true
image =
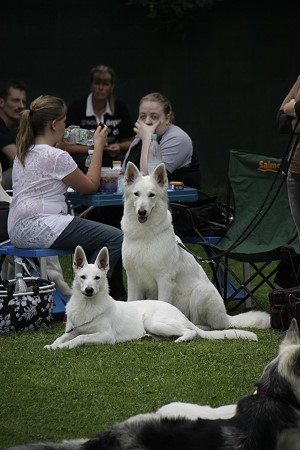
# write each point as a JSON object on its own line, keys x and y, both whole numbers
{"x": 225, "y": 65}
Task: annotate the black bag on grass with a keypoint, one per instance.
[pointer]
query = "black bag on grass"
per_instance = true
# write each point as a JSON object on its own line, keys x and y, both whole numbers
{"x": 26, "y": 311}
{"x": 285, "y": 305}
{"x": 285, "y": 277}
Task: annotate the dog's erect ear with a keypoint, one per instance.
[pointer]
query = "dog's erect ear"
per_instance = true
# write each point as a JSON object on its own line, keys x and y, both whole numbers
{"x": 131, "y": 173}
{"x": 160, "y": 174}
{"x": 102, "y": 260}
{"x": 79, "y": 258}
{"x": 292, "y": 335}
{"x": 294, "y": 327}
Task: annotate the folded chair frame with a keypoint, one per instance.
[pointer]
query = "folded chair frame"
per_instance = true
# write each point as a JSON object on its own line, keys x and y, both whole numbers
{"x": 256, "y": 237}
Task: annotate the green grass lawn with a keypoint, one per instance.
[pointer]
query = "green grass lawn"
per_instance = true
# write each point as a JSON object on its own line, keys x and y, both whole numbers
{"x": 77, "y": 393}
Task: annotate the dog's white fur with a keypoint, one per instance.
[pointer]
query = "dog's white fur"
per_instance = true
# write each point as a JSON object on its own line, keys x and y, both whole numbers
{"x": 55, "y": 274}
{"x": 93, "y": 317}
{"x": 158, "y": 268}
{"x": 191, "y": 411}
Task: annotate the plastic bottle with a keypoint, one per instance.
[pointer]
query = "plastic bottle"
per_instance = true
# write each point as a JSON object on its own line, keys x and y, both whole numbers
{"x": 20, "y": 285}
{"x": 89, "y": 158}
{"x": 80, "y": 136}
{"x": 154, "y": 154}
{"x": 120, "y": 189}
{"x": 117, "y": 168}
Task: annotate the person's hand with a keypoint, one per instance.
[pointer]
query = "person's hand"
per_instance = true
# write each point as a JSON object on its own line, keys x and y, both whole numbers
{"x": 64, "y": 144}
{"x": 71, "y": 127}
{"x": 100, "y": 135}
{"x": 144, "y": 131}
{"x": 289, "y": 108}
{"x": 113, "y": 149}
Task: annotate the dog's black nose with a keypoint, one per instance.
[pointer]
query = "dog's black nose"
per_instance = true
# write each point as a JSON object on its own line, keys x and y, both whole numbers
{"x": 89, "y": 291}
{"x": 142, "y": 212}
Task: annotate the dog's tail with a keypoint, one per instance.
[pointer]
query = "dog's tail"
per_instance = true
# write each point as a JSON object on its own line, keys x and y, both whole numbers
{"x": 74, "y": 444}
{"x": 228, "y": 334}
{"x": 251, "y": 319}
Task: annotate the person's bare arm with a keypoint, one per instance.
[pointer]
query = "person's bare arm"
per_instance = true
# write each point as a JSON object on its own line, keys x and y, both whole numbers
{"x": 144, "y": 132}
{"x": 89, "y": 183}
{"x": 119, "y": 147}
{"x": 72, "y": 147}
{"x": 289, "y": 108}
{"x": 10, "y": 151}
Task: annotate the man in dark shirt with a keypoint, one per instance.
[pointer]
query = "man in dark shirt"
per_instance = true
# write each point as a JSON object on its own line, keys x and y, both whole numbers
{"x": 12, "y": 103}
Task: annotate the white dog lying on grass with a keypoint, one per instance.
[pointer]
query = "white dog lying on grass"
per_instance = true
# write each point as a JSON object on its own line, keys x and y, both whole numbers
{"x": 93, "y": 317}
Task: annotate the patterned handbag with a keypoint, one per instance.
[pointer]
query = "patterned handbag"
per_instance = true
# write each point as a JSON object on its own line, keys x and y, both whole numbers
{"x": 26, "y": 311}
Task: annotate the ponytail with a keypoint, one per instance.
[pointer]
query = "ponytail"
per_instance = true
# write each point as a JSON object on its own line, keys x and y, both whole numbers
{"x": 34, "y": 121}
{"x": 25, "y": 136}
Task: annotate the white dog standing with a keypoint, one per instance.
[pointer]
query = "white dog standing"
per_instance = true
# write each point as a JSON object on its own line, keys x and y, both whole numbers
{"x": 93, "y": 317}
{"x": 157, "y": 268}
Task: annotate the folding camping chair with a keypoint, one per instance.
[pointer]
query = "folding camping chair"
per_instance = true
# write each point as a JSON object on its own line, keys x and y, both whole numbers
{"x": 262, "y": 231}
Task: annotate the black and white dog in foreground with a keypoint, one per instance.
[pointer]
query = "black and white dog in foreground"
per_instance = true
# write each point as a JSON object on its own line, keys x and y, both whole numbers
{"x": 266, "y": 420}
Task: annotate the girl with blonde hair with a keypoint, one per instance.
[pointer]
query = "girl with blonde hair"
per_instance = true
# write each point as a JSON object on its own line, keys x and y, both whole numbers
{"x": 42, "y": 173}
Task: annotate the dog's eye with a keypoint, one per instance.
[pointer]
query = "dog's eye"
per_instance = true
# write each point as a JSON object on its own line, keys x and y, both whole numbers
{"x": 151, "y": 195}
{"x": 97, "y": 278}
{"x": 83, "y": 277}
{"x": 136, "y": 194}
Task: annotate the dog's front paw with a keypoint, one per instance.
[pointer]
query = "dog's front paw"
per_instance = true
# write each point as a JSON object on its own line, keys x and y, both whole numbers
{"x": 49, "y": 347}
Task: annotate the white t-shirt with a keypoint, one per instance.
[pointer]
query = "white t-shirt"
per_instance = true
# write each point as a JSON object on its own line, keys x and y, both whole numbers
{"x": 38, "y": 212}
